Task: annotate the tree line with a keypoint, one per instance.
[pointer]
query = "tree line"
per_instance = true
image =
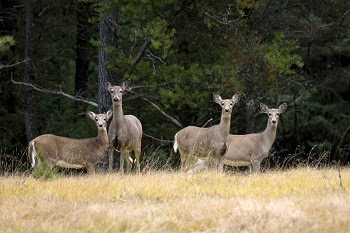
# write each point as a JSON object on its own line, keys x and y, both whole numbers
{"x": 177, "y": 53}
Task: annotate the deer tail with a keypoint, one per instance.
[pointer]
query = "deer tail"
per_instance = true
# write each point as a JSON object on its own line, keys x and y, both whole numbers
{"x": 31, "y": 153}
{"x": 175, "y": 143}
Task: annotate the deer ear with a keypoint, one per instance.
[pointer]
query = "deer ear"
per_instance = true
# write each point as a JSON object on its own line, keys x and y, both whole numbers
{"x": 264, "y": 108}
{"x": 217, "y": 98}
{"x": 107, "y": 85}
{"x": 109, "y": 115}
{"x": 126, "y": 85}
{"x": 282, "y": 108}
{"x": 91, "y": 115}
{"x": 235, "y": 98}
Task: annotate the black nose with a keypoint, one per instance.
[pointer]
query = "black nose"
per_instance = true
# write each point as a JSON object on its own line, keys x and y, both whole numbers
{"x": 274, "y": 121}
{"x": 116, "y": 99}
{"x": 100, "y": 125}
{"x": 227, "y": 110}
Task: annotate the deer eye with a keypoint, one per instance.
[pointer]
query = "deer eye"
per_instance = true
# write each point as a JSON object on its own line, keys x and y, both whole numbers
{"x": 96, "y": 119}
{"x": 269, "y": 114}
{"x": 121, "y": 91}
{"x": 231, "y": 104}
{"x": 112, "y": 91}
{"x": 104, "y": 119}
{"x": 278, "y": 114}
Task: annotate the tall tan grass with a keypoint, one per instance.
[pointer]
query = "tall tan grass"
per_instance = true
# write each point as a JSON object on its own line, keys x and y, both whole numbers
{"x": 298, "y": 200}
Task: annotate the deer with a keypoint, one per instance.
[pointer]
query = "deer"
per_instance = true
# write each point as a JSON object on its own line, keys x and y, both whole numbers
{"x": 250, "y": 149}
{"x": 125, "y": 131}
{"x": 210, "y": 143}
{"x": 51, "y": 150}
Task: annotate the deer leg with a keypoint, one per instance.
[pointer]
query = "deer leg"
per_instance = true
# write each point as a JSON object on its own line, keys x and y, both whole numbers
{"x": 48, "y": 165}
{"x": 128, "y": 162}
{"x": 90, "y": 168}
{"x": 137, "y": 157}
{"x": 220, "y": 164}
{"x": 216, "y": 163}
{"x": 183, "y": 159}
{"x": 110, "y": 158}
{"x": 199, "y": 166}
{"x": 212, "y": 163}
{"x": 250, "y": 168}
{"x": 122, "y": 162}
{"x": 256, "y": 166}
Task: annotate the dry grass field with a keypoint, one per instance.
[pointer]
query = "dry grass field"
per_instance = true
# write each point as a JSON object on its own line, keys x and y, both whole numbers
{"x": 296, "y": 200}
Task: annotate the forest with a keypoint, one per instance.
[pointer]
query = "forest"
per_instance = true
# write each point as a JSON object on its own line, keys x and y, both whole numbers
{"x": 55, "y": 56}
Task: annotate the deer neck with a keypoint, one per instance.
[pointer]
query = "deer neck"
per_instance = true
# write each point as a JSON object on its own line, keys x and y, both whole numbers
{"x": 224, "y": 125}
{"x": 118, "y": 115}
{"x": 102, "y": 137}
{"x": 269, "y": 133}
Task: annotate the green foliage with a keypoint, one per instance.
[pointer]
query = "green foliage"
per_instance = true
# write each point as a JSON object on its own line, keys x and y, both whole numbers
{"x": 5, "y": 43}
{"x": 40, "y": 171}
{"x": 281, "y": 55}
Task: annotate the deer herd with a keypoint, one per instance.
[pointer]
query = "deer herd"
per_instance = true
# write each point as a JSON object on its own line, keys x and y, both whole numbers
{"x": 199, "y": 147}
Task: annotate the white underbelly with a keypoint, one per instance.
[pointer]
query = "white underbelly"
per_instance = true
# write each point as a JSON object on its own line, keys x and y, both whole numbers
{"x": 237, "y": 163}
{"x": 64, "y": 164}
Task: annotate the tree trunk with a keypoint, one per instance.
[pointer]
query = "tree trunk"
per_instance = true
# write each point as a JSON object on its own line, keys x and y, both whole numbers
{"x": 296, "y": 122}
{"x": 31, "y": 122}
{"x": 82, "y": 54}
{"x": 107, "y": 38}
{"x": 82, "y": 48}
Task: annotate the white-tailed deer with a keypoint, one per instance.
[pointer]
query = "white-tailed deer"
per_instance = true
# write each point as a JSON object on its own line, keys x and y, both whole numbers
{"x": 251, "y": 149}
{"x": 125, "y": 132}
{"x": 72, "y": 153}
{"x": 207, "y": 142}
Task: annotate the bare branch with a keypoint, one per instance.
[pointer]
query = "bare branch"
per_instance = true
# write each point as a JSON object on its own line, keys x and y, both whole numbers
{"x": 140, "y": 54}
{"x": 149, "y": 53}
{"x": 13, "y": 64}
{"x": 154, "y": 67}
{"x": 151, "y": 56}
{"x": 157, "y": 139}
{"x": 333, "y": 23}
{"x": 163, "y": 113}
{"x": 80, "y": 99}
{"x": 56, "y": 92}
{"x": 224, "y": 20}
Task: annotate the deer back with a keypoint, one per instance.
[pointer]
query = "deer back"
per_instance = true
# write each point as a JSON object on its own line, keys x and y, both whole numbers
{"x": 247, "y": 147}
{"x": 74, "y": 151}
{"x": 200, "y": 142}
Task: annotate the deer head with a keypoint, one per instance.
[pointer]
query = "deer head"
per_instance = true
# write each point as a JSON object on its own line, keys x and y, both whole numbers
{"x": 273, "y": 113}
{"x": 101, "y": 119}
{"x": 226, "y": 104}
{"x": 117, "y": 92}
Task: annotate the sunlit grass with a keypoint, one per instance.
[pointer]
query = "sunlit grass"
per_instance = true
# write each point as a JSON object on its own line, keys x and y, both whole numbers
{"x": 303, "y": 199}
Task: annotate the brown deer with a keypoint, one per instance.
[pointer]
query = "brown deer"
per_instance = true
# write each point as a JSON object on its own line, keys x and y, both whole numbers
{"x": 210, "y": 143}
{"x": 125, "y": 132}
{"x": 251, "y": 149}
{"x": 72, "y": 153}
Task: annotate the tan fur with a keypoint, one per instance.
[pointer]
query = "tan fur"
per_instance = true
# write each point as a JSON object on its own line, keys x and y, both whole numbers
{"x": 73, "y": 153}
{"x": 195, "y": 142}
{"x": 125, "y": 132}
{"x": 251, "y": 149}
